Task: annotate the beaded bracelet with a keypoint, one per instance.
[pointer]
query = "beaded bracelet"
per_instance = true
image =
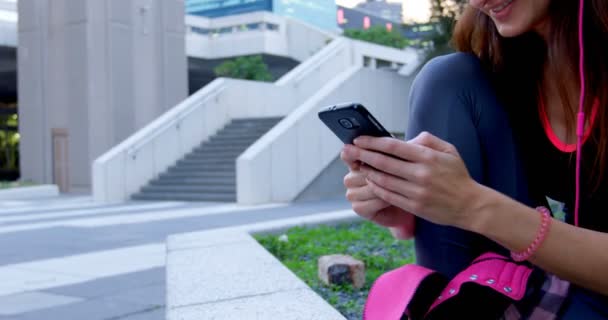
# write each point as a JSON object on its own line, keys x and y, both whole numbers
{"x": 540, "y": 237}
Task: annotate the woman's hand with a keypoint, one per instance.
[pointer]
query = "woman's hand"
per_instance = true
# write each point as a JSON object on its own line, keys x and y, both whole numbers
{"x": 369, "y": 206}
{"x": 425, "y": 176}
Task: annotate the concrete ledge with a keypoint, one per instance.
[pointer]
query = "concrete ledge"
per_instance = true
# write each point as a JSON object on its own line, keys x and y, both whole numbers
{"x": 20, "y": 193}
{"x": 227, "y": 274}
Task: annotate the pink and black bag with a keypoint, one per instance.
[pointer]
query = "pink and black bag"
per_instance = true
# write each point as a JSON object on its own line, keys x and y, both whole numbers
{"x": 492, "y": 287}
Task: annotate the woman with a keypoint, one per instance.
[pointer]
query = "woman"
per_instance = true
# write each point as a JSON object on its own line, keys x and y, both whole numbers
{"x": 493, "y": 132}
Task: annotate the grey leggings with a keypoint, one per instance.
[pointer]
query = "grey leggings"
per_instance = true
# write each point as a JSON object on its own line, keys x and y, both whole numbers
{"x": 452, "y": 99}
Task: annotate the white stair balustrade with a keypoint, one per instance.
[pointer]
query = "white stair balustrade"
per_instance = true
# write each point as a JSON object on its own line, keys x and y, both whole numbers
{"x": 285, "y": 160}
{"x": 279, "y": 166}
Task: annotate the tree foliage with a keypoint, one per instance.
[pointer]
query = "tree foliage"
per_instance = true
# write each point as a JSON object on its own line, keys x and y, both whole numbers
{"x": 445, "y": 13}
{"x": 378, "y": 35}
{"x": 248, "y": 68}
{"x": 9, "y": 143}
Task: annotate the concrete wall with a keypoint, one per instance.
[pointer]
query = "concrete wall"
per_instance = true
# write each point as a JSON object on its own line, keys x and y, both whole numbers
{"x": 288, "y": 37}
{"x": 328, "y": 185}
{"x": 97, "y": 70}
{"x": 285, "y": 161}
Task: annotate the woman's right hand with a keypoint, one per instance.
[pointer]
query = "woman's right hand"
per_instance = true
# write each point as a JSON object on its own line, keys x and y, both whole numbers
{"x": 367, "y": 205}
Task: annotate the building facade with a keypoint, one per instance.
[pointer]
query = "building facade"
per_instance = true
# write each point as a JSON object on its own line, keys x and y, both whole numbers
{"x": 391, "y": 11}
{"x": 354, "y": 18}
{"x": 89, "y": 76}
{"x": 320, "y": 13}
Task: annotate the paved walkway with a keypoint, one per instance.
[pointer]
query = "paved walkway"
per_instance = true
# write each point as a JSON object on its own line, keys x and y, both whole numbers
{"x": 70, "y": 258}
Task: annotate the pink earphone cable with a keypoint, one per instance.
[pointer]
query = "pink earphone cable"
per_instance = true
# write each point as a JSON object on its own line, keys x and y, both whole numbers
{"x": 580, "y": 125}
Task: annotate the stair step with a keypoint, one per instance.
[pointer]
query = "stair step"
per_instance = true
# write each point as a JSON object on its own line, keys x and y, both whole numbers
{"x": 204, "y": 158}
{"x": 240, "y": 134}
{"x": 250, "y": 125}
{"x": 231, "y": 181}
{"x": 210, "y": 197}
{"x": 206, "y": 166}
{"x": 226, "y": 156}
{"x": 219, "y": 148}
{"x": 269, "y": 119}
{"x": 243, "y": 131}
{"x": 191, "y": 189}
{"x": 229, "y": 142}
{"x": 202, "y": 170}
{"x": 199, "y": 175}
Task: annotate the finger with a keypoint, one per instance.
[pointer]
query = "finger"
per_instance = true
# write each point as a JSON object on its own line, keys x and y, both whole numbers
{"x": 429, "y": 140}
{"x": 369, "y": 209}
{"x": 393, "y": 184}
{"x": 382, "y": 162}
{"x": 394, "y": 217}
{"x": 352, "y": 163}
{"x": 364, "y": 193}
{"x": 394, "y": 198}
{"x": 391, "y": 146}
{"x": 354, "y": 179}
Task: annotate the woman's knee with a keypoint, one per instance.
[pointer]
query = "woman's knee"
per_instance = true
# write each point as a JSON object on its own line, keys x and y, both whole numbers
{"x": 445, "y": 90}
{"x": 447, "y": 79}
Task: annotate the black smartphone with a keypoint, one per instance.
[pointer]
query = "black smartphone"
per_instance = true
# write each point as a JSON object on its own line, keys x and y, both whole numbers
{"x": 351, "y": 120}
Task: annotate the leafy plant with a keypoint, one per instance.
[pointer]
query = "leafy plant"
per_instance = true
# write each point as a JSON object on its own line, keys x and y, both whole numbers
{"x": 9, "y": 143}
{"x": 378, "y": 35}
{"x": 248, "y": 68}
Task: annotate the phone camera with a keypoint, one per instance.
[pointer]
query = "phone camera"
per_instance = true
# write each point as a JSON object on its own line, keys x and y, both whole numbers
{"x": 346, "y": 124}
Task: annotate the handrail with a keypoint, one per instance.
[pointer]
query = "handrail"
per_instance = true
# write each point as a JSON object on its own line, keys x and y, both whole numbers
{"x": 384, "y": 54}
{"x": 194, "y": 102}
{"x": 301, "y": 71}
{"x": 320, "y": 59}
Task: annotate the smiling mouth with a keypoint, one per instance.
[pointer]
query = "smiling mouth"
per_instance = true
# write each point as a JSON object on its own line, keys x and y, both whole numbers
{"x": 502, "y": 6}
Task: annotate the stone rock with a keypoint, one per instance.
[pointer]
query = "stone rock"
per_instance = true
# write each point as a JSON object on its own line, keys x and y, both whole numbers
{"x": 341, "y": 269}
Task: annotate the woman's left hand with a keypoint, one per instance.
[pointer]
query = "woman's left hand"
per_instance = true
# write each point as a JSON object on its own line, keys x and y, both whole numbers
{"x": 425, "y": 176}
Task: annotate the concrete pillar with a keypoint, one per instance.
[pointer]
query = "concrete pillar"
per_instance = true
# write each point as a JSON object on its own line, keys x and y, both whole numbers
{"x": 91, "y": 73}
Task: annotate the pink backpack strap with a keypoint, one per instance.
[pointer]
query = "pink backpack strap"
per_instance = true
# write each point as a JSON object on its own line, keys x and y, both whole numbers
{"x": 393, "y": 292}
{"x": 493, "y": 271}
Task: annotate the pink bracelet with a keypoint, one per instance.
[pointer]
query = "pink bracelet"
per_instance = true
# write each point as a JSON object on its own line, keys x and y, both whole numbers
{"x": 540, "y": 237}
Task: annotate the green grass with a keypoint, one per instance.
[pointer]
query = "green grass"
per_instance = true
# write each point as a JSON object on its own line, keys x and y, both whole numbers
{"x": 15, "y": 184}
{"x": 365, "y": 241}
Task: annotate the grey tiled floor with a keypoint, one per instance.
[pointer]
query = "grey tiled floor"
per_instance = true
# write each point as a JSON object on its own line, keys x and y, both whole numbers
{"x": 133, "y": 296}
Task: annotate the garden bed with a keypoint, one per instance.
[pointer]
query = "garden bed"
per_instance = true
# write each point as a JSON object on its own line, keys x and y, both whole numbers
{"x": 375, "y": 246}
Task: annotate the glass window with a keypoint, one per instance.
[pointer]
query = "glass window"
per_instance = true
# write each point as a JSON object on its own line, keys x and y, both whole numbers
{"x": 199, "y": 30}
{"x": 272, "y": 26}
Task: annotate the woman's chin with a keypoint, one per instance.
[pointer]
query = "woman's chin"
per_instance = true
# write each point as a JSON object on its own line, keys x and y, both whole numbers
{"x": 509, "y": 31}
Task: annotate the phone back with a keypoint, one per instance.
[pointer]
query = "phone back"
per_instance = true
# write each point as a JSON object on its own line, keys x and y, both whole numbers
{"x": 349, "y": 121}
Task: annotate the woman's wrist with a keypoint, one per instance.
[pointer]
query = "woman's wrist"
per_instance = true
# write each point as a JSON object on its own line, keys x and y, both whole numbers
{"x": 482, "y": 202}
{"x": 502, "y": 219}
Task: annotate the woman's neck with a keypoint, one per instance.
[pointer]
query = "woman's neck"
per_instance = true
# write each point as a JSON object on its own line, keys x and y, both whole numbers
{"x": 543, "y": 28}
{"x": 560, "y": 100}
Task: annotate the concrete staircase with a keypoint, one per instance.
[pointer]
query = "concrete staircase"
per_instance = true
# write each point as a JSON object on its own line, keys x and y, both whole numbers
{"x": 208, "y": 173}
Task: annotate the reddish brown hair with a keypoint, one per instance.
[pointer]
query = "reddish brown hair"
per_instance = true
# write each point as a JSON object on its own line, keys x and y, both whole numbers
{"x": 516, "y": 64}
